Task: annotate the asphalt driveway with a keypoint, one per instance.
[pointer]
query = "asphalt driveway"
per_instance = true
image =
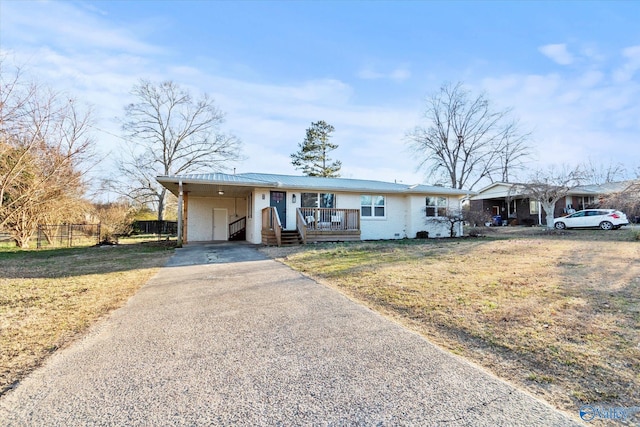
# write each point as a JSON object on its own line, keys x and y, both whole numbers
{"x": 223, "y": 336}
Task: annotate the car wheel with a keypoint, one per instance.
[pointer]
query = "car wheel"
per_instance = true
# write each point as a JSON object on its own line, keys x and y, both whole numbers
{"x": 560, "y": 225}
{"x": 606, "y": 225}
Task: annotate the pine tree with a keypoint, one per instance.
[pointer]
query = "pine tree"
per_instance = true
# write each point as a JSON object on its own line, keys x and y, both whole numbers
{"x": 312, "y": 156}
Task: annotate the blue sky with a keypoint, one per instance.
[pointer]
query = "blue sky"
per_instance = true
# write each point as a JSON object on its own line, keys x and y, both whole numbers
{"x": 569, "y": 70}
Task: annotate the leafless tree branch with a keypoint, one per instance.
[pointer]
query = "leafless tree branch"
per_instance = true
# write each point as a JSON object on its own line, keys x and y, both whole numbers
{"x": 168, "y": 133}
{"x": 466, "y": 140}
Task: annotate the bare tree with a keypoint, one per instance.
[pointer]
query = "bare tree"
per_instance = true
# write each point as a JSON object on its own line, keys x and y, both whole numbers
{"x": 453, "y": 218}
{"x": 626, "y": 200}
{"x": 116, "y": 219}
{"x": 15, "y": 93}
{"x": 45, "y": 149}
{"x": 600, "y": 173}
{"x": 513, "y": 151}
{"x": 466, "y": 140}
{"x": 550, "y": 185}
{"x": 168, "y": 133}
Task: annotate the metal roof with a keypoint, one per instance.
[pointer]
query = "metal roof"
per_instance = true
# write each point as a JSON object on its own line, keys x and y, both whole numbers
{"x": 309, "y": 183}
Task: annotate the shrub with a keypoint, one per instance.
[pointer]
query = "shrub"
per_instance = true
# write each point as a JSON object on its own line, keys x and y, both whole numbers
{"x": 475, "y": 232}
{"x": 116, "y": 220}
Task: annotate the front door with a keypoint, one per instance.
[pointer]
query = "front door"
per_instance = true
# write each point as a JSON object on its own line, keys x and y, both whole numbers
{"x": 279, "y": 201}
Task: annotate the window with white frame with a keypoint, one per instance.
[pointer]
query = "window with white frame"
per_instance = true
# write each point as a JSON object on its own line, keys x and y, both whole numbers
{"x": 372, "y": 206}
{"x": 317, "y": 200}
{"x": 534, "y": 207}
{"x": 436, "y": 206}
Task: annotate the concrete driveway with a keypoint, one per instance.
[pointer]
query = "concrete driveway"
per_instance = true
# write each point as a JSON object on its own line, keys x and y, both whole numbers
{"x": 223, "y": 336}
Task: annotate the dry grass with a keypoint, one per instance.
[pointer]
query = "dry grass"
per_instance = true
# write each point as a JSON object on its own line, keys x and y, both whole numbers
{"x": 49, "y": 297}
{"x": 556, "y": 313}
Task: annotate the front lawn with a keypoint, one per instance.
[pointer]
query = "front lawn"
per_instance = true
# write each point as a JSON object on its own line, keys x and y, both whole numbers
{"x": 556, "y": 313}
{"x": 49, "y": 297}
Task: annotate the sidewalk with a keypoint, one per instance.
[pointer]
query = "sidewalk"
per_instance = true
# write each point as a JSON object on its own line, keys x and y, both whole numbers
{"x": 223, "y": 336}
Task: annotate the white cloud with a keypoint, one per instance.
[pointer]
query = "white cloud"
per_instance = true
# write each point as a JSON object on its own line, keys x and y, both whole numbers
{"x": 591, "y": 79}
{"x": 398, "y": 74}
{"x": 592, "y": 112}
{"x": 574, "y": 117}
{"x": 557, "y": 53}
{"x": 71, "y": 28}
{"x": 631, "y": 66}
{"x": 272, "y": 120}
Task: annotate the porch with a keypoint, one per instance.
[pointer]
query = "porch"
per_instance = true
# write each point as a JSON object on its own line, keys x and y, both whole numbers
{"x": 312, "y": 225}
{"x": 512, "y": 211}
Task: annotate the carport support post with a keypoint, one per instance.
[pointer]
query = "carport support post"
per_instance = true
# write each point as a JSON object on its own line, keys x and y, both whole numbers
{"x": 180, "y": 213}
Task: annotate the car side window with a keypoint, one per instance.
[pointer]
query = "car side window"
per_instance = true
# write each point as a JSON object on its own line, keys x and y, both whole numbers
{"x": 576, "y": 215}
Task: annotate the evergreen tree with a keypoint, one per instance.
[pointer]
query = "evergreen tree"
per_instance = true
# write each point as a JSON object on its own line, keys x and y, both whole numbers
{"x": 312, "y": 156}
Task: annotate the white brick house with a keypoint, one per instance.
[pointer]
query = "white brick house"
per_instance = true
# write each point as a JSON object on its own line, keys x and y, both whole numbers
{"x": 259, "y": 208}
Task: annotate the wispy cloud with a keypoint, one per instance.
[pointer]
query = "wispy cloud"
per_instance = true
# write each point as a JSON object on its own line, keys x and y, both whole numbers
{"x": 398, "y": 74}
{"x": 631, "y": 66}
{"x": 588, "y": 109}
{"x": 270, "y": 118}
{"x": 71, "y": 28}
{"x": 557, "y": 53}
{"x": 573, "y": 116}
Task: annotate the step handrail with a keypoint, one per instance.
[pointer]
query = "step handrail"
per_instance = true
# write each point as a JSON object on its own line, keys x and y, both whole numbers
{"x": 237, "y": 226}
{"x": 271, "y": 221}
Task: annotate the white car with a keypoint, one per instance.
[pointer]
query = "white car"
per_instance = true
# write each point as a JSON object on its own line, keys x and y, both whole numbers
{"x": 606, "y": 219}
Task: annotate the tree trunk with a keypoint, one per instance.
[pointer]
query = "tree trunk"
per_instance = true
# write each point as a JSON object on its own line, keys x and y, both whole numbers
{"x": 20, "y": 231}
{"x": 549, "y": 208}
{"x": 161, "y": 202}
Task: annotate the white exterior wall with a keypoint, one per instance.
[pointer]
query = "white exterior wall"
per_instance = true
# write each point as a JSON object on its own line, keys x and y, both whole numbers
{"x": 416, "y": 216}
{"x": 199, "y": 225}
{"x": 200, "y": 211}
{"x": 404, "y": 215}
{"x": 291, "y": 208}
{"x": 252, "y": 220}
{"x": 254, "y": 227}
{"x": 417, "y": 219}
{"x": 391, "y": 226}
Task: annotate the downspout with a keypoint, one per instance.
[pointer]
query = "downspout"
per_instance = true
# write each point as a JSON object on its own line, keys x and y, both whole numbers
{"x": 180, "y": 237}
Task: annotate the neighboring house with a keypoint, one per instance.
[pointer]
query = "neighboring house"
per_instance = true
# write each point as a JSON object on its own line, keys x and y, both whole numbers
{"x": 509, "y": 202}
{"x": 271, "y": 209}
